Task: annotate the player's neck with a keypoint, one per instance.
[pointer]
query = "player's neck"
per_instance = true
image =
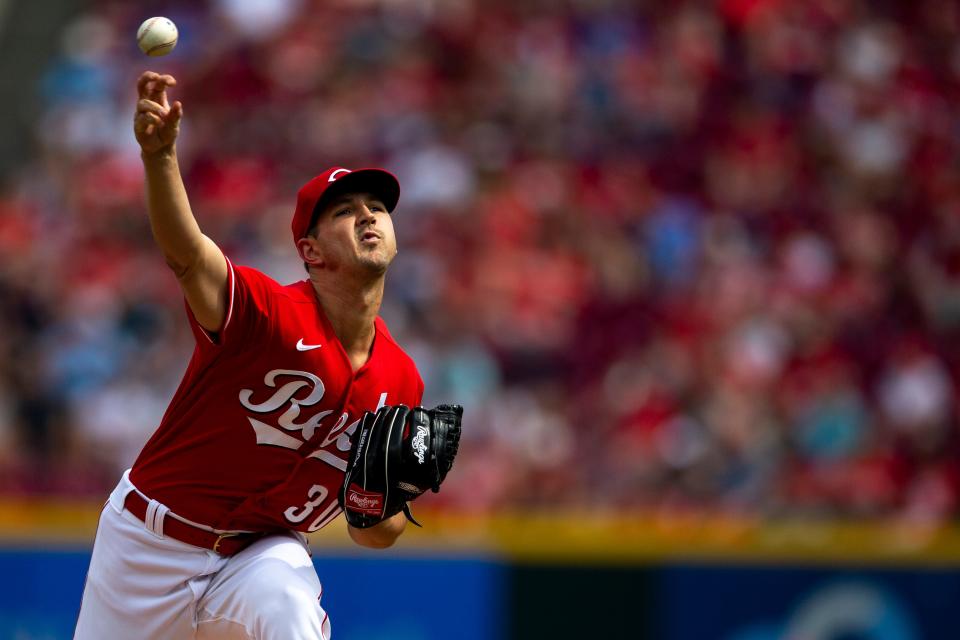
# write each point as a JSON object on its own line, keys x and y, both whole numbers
{"x": 351, "y": 309}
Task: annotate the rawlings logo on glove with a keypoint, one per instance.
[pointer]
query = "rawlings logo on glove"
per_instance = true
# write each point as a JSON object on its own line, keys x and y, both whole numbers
{"x": 419, "y": 443}
{"x": 360, "y": 500}
{"x": 398, "y": 453}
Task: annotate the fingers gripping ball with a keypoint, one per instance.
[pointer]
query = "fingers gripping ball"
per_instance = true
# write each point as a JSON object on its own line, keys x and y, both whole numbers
{"x": 157, "y": 36}
{"x": 397, "y": 454}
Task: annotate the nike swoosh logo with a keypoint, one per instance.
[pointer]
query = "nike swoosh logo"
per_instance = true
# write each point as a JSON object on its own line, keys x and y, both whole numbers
{"x": 307, "y": 347}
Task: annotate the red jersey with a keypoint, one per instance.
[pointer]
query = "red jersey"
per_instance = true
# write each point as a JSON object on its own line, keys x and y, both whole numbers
{"x": 257, "y": 435}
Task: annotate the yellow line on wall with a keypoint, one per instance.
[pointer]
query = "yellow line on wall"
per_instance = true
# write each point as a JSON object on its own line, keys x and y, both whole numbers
{"x": 577, "y": 537}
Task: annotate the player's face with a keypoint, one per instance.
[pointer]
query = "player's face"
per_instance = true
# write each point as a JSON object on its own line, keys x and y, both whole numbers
{"x": 355, "y": 230}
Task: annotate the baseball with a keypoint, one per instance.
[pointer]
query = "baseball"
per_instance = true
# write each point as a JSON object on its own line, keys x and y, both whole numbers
{"x": 157, "y": 36}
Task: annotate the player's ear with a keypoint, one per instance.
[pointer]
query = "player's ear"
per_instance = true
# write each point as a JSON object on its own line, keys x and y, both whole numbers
{"x": 309, "y": 250}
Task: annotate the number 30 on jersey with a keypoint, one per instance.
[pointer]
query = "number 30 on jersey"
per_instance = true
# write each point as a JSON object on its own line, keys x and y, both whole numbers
{"x": 315, "y": 498}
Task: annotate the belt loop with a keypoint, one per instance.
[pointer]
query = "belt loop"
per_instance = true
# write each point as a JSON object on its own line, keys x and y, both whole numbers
{"x": 156, "y": 514}
{"x": 160, "y": 518}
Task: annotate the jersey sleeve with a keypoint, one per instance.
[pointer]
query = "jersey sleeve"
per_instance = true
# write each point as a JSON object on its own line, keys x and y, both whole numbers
{"x": 249, "y": 303}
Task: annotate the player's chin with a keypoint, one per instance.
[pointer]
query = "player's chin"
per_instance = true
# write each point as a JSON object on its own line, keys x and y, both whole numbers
{"x": 376, "y": 261}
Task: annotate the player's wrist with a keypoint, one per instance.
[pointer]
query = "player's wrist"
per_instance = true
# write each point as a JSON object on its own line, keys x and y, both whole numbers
{"x": 163, "y": 154}
{"x": 381, "y": 535}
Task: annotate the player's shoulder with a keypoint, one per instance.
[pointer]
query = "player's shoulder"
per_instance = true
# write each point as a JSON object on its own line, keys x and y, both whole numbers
{"x": 295, "y": 292}
{"x": 390, "y": 345}
{"x": 401, "y": 366}
{"x": 383, "y": 333}
{"x": 254, "y": 276}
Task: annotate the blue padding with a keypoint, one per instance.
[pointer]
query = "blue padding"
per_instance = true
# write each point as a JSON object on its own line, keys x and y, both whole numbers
{"x": 40, "y": 593}
{"x": 771, "y": 603}
{"x": 371, "y": 598}
{"x": 368, "y": 598}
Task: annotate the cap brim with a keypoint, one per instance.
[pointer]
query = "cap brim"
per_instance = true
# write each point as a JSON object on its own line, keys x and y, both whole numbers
{"x": 381, "y": 184}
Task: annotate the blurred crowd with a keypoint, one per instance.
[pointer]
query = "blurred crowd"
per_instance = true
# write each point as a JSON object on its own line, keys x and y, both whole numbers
{"x": 675, "y": 256}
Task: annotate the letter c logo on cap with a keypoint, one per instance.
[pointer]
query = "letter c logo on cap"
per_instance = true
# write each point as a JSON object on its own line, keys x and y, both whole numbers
{"x": 333, "y": 176}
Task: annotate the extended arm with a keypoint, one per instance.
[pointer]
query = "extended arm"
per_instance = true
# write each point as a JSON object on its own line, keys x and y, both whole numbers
{"x": 199, "y": 265}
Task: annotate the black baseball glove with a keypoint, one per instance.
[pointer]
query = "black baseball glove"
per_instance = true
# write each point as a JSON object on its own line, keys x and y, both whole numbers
{"x": 397, "y": 454}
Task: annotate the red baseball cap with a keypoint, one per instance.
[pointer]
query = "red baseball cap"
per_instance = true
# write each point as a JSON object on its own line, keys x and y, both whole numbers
{"x": 336, "y": 181}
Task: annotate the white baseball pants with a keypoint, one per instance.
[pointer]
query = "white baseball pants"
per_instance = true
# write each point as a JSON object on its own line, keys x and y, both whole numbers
{"x": 141, "y": 585}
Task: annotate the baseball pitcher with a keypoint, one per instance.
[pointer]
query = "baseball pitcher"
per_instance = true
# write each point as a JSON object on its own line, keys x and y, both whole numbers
{"x": 297, "y": 405}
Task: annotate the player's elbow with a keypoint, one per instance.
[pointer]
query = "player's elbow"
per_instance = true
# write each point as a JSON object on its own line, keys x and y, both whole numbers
{"x": 180, "y": 267}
